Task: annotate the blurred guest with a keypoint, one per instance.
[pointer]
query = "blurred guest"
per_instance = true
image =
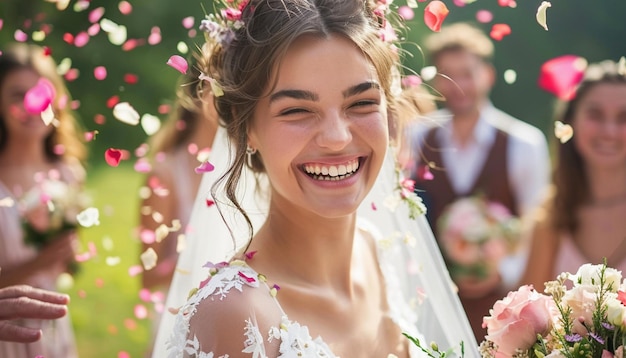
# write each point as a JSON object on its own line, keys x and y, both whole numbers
{"x": 176, "y": 149}
{"x": 470, "y": 148}
{"x": 40, "y": 182}
{"x": 582, "y": 220}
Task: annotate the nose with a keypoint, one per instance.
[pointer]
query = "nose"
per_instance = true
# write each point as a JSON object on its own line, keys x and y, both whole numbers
{"x": 334, "y": 132}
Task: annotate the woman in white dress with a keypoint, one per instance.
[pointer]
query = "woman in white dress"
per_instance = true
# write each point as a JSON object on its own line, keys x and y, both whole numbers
{"x": 307, "y": 86}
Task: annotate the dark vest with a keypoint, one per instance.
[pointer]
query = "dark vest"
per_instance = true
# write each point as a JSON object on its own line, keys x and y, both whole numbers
{"x": 492, "y": 182}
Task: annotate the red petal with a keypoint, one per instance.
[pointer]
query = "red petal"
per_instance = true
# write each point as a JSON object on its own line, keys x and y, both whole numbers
{"x": 561, "y": 75}
{"x": 111, "y": 102}
{"x": 69, "y": 38}
{"x": 113, "y": 156}
{"x": 131, "y": 79}
{"x": 434, "y": 14}
{"x": 498, "y": 31}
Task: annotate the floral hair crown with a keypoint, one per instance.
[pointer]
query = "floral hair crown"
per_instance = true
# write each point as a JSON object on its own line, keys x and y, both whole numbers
{"x": 220, "y": 27}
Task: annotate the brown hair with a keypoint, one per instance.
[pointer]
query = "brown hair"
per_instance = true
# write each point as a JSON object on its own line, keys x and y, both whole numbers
{"x": 20, "y": 56}
{"x": 244, "y": 68}
{"x": 571, "y": 186}
{"x": 459, "y": 37}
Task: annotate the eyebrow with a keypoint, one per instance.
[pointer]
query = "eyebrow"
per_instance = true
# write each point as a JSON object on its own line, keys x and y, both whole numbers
{"x": 308, "y": 95}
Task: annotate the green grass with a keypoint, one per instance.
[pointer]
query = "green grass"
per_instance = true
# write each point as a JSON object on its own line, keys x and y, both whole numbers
{"x": 104, "y": 294}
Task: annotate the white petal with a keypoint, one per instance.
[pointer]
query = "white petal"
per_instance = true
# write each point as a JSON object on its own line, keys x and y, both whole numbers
{"x": 89, "y": 217}
{"x": 510, "y": 76}
{"x": 541, "y": 14}
{"x": 149, "y": 259}
{"x": 48, "y": 115}
{"x": 150, "y": 123}
{"x": 428, "y": 73}
{"x": 124, "y": 112}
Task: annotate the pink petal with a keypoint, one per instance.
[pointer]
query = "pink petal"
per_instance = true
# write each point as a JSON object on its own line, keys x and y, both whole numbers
{"x": 142, "y": 165}
{"x": 1, "y": 23}
{"x": 187, "y": 22}
{"x": 192, "y": 148}
{"x": 250, "y": 255}
{"x": 509, "y": 3}
{"x": 209, "y": 203}
{"x": 99, "y": 119}
{"x": 561, "y": 75}
{"x": 89, "y": 136}
{"x": 459, "y": 3}
{"x": 20, "y": 36}
{"x": 113, "y": 157}
{"x": 484, "y": 16}
{"x": 38, "y": 98}
{"x": 373, "y": 206}
{"x": 94, "y": 29}
{"x": 411, "y": 81}
{"x": 205, "y": 167}
{"x": 81, "y": 39}
{"x": 406, "y": 12}
{"x": 178, "y": 63}
{"x": 71, "y": 74}
{"x": 247, "y": 278}
{"x": 96, "y": 14}
{"x": 147, "y": 236}
{"x": 164, "y": 109}
{"x": 123, "y": 354}
{"x": 140, "y": 311}
{"x": 434, "y": 15}
{"x": 144, "y": 295}
{"x": 125, "y": 7}
{"x": 100, "y": 73}
{"x": 135, "y": 270}
{"x": 155, "y": 36}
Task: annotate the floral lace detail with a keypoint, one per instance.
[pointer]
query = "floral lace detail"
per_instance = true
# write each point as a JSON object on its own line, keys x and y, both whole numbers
{"x": 295, "y": 340}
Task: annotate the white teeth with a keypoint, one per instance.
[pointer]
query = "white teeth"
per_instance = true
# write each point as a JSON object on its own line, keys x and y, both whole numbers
{"x": 332, "y": 172}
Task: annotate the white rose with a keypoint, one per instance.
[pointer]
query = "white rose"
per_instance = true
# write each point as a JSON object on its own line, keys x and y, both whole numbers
{"x": 615, "y": 310}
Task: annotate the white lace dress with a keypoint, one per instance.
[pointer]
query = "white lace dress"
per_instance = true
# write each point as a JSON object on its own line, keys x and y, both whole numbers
{"x": 294, "y": 337}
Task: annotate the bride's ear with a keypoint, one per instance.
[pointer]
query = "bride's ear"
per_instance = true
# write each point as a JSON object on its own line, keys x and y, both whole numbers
{"x": 209, "y": 112}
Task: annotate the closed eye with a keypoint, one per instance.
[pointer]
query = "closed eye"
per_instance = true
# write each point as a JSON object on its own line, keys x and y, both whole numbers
{"x": 292, "y": 111}
{"x": 364, "y": 103}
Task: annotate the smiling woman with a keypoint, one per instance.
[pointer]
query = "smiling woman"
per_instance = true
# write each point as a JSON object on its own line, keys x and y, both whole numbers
{"x": 307, "y": 90}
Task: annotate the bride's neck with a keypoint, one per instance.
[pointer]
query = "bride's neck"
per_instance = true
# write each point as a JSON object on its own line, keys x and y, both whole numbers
{"x": 313, "y": 250}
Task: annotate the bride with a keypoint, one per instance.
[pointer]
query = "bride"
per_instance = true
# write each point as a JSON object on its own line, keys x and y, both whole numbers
{"x": 303, "y": 88}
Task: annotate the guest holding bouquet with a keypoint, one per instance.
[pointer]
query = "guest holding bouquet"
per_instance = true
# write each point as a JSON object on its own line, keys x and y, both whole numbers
{"x": 40, "y": 187}
{"x": 583, "y": 219}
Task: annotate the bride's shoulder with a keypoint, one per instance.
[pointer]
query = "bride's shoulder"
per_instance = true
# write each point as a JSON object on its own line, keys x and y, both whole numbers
{"x": 227, "y": 312}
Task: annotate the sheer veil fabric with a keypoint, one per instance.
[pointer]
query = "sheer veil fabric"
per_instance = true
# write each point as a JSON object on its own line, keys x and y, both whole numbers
{"x": 422, "y": 278}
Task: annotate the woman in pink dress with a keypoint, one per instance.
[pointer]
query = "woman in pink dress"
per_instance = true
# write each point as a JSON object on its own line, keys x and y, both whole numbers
{"x": 38, "y": 161}
{"x": 583, "y": 219}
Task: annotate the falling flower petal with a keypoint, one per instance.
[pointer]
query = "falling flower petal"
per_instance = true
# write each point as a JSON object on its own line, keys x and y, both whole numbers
{"x": 250, "y": 255}
{"x": 428, "y": 73}
{"x": 182, "y": 47}
{"x": 64, "y": 66}
{"x": 112, "y": 260}
{"x": 621, "y": 66}
{"x": 40, "y": 97}
{"x": 188, "y": 22}
{"x": 155, "y": 36}
{"x": 96, "y": 14}
{"x": 89, "y": 136}
{"x": 509, "y": 3}
{"x": 20, "y": 36}
{"x": 178, "y": 63}
{"x": 434, "y": 15}
{"x": 38, "y": 36}
{"x": 93, "y": 30}
{"x": 48, "y": 116}
{"x": 125, "y": 7}
{"x": 131, "y": 79}
{"x": 81, "y": 39}
{"x": 140, "y": 311}
{"x": 142, "y": 165}
{"x": 510, "y": 76}
{"x": 148, "y": 259}
{"x": 71, "y": 74}
{"x": 125, "y": 113}
{"x": 89, "y": 217}
{"x": 563, "y": 132}
{"x": 113, "y": 157}
{"x": 150, "y": 124}
{"x": 484, "y": 16}
{"x": 205, "y": 167}
{"x": 541, "y": 14}
{"x": 561, "y": 75}
{"x": 209, "y": 203}
{"x": 498, "y": 31}
{"x": 100, "y": 73}
{"x": 68, "y": 38}
{"x": 135, "y": 270}
{"x": 406, "y": 13}
{"x": 373, "y": 206}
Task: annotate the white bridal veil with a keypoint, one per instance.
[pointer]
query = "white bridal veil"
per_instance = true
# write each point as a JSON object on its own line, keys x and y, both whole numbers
{"x": 424, "y": 279}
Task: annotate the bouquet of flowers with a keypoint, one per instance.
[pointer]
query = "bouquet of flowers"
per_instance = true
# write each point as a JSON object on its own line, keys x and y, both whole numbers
{"x": 475, "y": 234}
{"x": 585, "y": 317}
{"x": 50, "y": 209}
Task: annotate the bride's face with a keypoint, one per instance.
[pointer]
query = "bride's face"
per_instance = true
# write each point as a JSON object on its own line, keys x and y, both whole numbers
{"x": 322, "y": 130}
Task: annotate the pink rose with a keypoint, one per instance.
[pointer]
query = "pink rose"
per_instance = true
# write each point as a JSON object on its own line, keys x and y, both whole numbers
{"x": 516, "y": 320}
